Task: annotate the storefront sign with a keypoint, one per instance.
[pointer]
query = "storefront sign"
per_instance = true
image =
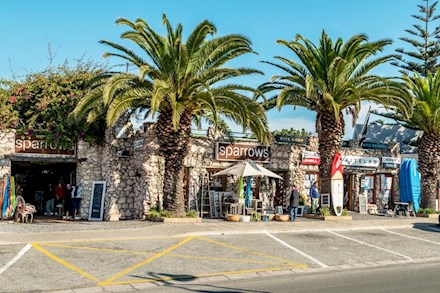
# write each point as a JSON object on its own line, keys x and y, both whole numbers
{"x": 97, "y": 201}
{"x": 362, "y": 162}
{"x": 291, "y": 139}
{"x": 375, "y": 145}
{"x": 31, "y": 146}
{"x": 226, "y": 151}
{"x": 138, "y": 144}
{"x": 391, "y": 162}
{"x": 310, "y": 158}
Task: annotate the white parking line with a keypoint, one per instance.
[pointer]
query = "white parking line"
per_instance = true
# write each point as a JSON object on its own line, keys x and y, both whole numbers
{"x": 371, "y": 245}
{"x": 17, "y": 257}
{"x": 298, "y": 251}
{"x": 432, "y": 228}
{"x": 412, "y": 237}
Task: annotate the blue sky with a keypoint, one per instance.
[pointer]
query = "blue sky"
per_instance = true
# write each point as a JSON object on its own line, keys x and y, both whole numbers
{"x": 73, "y": 29}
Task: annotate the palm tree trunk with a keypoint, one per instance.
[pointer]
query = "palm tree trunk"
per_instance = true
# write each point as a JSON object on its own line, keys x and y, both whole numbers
{"x": 429, "y": 164}
{"x": 330, "y": 131}
{"x": 174, "y": 148}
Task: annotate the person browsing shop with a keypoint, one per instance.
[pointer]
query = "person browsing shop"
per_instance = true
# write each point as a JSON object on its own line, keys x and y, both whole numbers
{"x": 314, "y": 195}
{"x": 294, "y": 203}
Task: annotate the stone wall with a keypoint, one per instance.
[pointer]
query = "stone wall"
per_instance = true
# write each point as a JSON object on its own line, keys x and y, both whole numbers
{"x": 7, "y": 143}
{"x": 88, "y": 169}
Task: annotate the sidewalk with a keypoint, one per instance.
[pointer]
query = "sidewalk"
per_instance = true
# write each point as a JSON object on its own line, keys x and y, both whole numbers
{"x": 61, "y": 231}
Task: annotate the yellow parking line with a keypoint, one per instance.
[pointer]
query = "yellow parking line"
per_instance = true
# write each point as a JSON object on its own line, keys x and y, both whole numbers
{"x": 110, "y": 239}
{"x": 198, "y": 276}
{"x": 250, "y": 251}
{"x": 64, "y": 263}
{"x": 154, "y": 257}
{"x": 169, "y": 254}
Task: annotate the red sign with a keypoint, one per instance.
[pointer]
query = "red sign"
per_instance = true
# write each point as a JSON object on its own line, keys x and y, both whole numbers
{"x": 31, "y": 146}
{"x": 226, "y": 151}
{"x": 310, "y": 158}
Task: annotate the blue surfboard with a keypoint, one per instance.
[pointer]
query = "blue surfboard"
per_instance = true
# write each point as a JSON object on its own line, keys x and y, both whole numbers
{"x": 414, "y": 184}
{"x": 403, "y": 181}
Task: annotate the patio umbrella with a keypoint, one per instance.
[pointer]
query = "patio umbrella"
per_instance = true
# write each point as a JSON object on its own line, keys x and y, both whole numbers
{"x": 247, "y": 168}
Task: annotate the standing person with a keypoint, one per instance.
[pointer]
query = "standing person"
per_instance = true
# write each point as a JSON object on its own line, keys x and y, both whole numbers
{"x": 68, "y": 202}
{"x": 314, "y": 195}
{"x": 50, "y": 200}
{"x": 77, "y": 195}
{"x": 60, "y": 192}
{"x": 294, "y": 203}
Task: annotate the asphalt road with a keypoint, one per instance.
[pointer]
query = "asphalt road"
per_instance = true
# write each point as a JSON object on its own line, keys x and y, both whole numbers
{"x": 268, "y": 262}
{"x": 422, "y": 277}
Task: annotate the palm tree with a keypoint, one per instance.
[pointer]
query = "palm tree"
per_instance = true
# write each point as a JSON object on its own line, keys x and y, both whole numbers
{"x": 422, "y": 112}
{"x": 328, "y": 79}
{"x": 180, "y": 82}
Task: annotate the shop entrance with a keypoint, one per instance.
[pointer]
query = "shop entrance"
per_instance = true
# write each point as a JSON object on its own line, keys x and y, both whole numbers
{"x": 349, "y": 191}
{"x": 34, "y": 179}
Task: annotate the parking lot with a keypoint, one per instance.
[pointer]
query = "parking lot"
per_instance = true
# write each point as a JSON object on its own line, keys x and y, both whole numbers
{"x": 105, "y": 262}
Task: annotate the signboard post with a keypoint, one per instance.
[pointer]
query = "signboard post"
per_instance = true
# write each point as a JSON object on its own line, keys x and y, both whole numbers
{"x": 96, "y": 211}
{"x": 325, "y": 200}
{"x": 310, "y": 158}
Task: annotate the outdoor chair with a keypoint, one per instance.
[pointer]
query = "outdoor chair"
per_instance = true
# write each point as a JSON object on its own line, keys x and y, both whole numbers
{"x": 24, "y": 212}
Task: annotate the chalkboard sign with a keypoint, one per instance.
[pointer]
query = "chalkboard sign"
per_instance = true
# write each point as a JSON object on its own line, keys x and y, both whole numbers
{"x": 362, "y": 204}
{"x": 97, "y": 201}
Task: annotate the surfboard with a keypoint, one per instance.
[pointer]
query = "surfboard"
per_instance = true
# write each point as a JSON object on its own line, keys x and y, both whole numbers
{"x": 414, "y": 184}
{"x": 337, "y": 185}
{"x": 403, "y": 177}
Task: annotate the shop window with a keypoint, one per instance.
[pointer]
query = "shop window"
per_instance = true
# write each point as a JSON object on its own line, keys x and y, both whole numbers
{"x": 387, "y": 188}
{"x": 216, "y": 183}
{"x": 369, "y": 188}
{"x": 308, "y": 180}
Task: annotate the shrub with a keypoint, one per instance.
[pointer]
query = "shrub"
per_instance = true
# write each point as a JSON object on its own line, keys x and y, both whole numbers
{"x": 160, "y": 213}
{"x": 324, "y": 212}
{"x": 426, "y": 211}
{"x": 344, "y": 212}
{"x": 192, "y": 214}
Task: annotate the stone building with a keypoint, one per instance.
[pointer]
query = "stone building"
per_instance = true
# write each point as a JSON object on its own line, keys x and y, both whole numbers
{"x": 130, "y": 166}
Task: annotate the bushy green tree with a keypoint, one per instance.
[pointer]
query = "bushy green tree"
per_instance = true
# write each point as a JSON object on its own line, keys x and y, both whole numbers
{"x": 40, "y": 103}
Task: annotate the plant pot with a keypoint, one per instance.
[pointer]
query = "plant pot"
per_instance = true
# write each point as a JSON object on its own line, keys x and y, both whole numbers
{"x": 245, "y": 219}
{"x": 282, "y": 218}
{"x": 233, "y": 218}
{"x": 267, "y": 217}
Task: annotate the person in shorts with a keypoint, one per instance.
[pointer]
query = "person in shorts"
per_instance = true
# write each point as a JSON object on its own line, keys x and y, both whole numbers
{"x": 77, "y": 194}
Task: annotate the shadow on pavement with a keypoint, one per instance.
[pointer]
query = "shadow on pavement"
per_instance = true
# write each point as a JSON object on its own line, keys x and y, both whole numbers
{"x": 171, "y": 279}
{"x": 434, "y": 228}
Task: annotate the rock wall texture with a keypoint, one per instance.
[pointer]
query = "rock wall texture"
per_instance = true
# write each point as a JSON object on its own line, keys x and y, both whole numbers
{"x": 7, "y": 143}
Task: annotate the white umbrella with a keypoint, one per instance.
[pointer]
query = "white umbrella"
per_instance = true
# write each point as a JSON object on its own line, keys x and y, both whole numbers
{"x": 247, "y": 168}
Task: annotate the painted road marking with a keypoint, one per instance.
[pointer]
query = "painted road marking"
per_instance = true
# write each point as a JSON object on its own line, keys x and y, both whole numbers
{"x": 432, "y": 228}
{"x": 276, "y": 264}
{"x": 168, "y": 255}
{"x": 148, "y": 260}
{"x": 298, "y": 251}
{"x": 17, "y": 257}
{"x": 368, "y": 244}
{"x": 294, "y": 264}
{"x": 64, "y": 263}
{"x": 412, "y": 237}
